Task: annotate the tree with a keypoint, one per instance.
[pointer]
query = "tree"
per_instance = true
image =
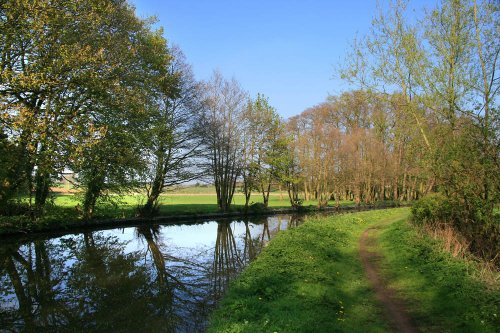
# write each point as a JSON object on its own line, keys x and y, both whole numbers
{"x": 59, "y": 73}
{"x": 119, "y": 121}
{"x": 172, "y": 141}
{"x": 262, "y": 147}
{"x": 224, "y": 102}
{"x": 288, "y": 171}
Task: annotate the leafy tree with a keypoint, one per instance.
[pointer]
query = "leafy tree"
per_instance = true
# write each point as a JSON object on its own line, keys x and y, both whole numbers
{"x": 59, "y": 73}
{"x": 262, "y": 147}
{"x": 113, "y": 162}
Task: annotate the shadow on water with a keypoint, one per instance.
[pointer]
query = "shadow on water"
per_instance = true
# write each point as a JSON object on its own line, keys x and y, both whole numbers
{"x": 147, "y": 278}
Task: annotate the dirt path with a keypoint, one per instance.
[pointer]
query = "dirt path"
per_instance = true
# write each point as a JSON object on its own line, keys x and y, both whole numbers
{"x": 394, "y": 308}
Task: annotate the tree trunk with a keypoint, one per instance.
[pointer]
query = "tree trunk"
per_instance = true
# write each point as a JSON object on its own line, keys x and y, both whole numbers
{"x": 42, "y": 185}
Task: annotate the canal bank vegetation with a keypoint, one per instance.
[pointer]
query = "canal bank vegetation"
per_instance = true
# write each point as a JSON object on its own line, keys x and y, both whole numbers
{"x": 107, "y": 98}
{"x": 310, "y": 279}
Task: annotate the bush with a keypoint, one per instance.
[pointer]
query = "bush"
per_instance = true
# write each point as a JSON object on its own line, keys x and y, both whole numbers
{"x": 432, "y": 209}
{"x": 470, "y": 219}
{"x": 257, "y": 207}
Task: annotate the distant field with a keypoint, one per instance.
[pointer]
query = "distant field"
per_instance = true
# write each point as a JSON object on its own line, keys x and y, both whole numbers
{"x": 184, "y": 201}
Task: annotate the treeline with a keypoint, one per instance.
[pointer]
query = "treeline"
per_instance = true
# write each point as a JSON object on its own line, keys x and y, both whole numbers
{"x": 443, "y": 69}
{"x": 359, "y": 146}
{"x": 87, "y": 86}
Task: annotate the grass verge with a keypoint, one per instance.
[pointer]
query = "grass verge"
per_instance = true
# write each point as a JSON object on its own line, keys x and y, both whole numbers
{"x": 308, "y": 279}
{"x": 444, "y": 294}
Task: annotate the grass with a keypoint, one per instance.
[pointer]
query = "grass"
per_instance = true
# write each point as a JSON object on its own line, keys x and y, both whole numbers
{"x": 178, "y": 203}
{"x": 445, "y": 293}
{"x": 310, "y": 279}
{"x": 201, "y": 200}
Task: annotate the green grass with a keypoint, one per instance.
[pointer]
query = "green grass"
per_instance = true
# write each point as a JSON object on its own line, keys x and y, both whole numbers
{"x": 308, "y": 279}
{"x": 66, "y": 208}
{"x": 177, "y": 203}
{"x": 444, "y": 293}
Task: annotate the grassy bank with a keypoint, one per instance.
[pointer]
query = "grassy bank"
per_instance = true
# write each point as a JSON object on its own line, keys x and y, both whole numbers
{"x": 446, "y": 294}
{"x": 310, "y": 279}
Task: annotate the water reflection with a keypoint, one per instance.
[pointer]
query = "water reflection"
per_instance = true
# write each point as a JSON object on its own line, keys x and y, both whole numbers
{"x": 149, "y": 278}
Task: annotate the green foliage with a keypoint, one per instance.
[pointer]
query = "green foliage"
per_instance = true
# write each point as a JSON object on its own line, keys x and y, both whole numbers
{"x": 433, "y": 209}
{"x": 264, "y": 146}
{"x": 73, "y": 74}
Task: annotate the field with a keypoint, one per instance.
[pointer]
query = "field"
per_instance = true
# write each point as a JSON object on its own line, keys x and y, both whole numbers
{"x": 65, "y": 207}
{"x": 192, "y": 200}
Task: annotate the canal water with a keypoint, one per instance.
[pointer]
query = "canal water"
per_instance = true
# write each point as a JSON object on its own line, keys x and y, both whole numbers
{"x": 151, "y": 278}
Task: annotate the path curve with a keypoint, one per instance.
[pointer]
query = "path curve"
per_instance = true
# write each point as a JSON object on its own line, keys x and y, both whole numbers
{"x": 394, "y": 309}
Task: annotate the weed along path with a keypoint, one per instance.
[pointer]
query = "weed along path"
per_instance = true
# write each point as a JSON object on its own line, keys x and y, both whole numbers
{"x": 394, "y": 308}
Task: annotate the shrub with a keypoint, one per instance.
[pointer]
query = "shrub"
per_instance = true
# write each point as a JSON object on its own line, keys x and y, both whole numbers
{"x": 481, "y": 231}
{"x": 257, "y": 207}
{"x": 432, "y": 209}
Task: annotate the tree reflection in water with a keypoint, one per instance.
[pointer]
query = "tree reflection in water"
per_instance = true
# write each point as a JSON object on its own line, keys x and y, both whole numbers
{"x": 33, "y": 278}
{"x": 227, "y": 260}
{"x": 180, "y": 283}
{"x": 108, "y": 281}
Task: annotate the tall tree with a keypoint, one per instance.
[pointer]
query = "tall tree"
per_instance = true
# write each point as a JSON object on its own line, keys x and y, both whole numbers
{"x": 172, "y": 138}
{"x": 60, "y": 73}
{"x": 262, "y": 147}
{"x": 224, "y": 103}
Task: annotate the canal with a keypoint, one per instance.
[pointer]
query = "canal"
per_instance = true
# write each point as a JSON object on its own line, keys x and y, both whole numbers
{"x": 148, "y": 278}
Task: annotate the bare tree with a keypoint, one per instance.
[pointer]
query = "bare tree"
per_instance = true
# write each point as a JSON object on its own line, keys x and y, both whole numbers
{"x": 224, "y": 104}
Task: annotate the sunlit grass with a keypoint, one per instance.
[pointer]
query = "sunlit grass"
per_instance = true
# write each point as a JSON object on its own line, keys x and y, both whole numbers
{"x": 445, "y": 293}
{"x": 179, "y": 203}
{"x": 308, "y": 279}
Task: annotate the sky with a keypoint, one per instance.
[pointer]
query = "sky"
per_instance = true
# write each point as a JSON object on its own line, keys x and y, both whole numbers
{"x": 287, "y": 50}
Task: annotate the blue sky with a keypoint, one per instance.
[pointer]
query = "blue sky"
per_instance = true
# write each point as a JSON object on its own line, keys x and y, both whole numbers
{"x": 286, "y": 50}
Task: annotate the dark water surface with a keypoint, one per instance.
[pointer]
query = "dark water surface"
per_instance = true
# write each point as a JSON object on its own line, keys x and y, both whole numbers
{"x": 152, "y": 278}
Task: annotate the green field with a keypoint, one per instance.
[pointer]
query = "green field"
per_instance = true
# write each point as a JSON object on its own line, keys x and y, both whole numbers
{"x": 65, "y": 208}
{"x": 310, "y": 279}
{"x": 178, "y": 202}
